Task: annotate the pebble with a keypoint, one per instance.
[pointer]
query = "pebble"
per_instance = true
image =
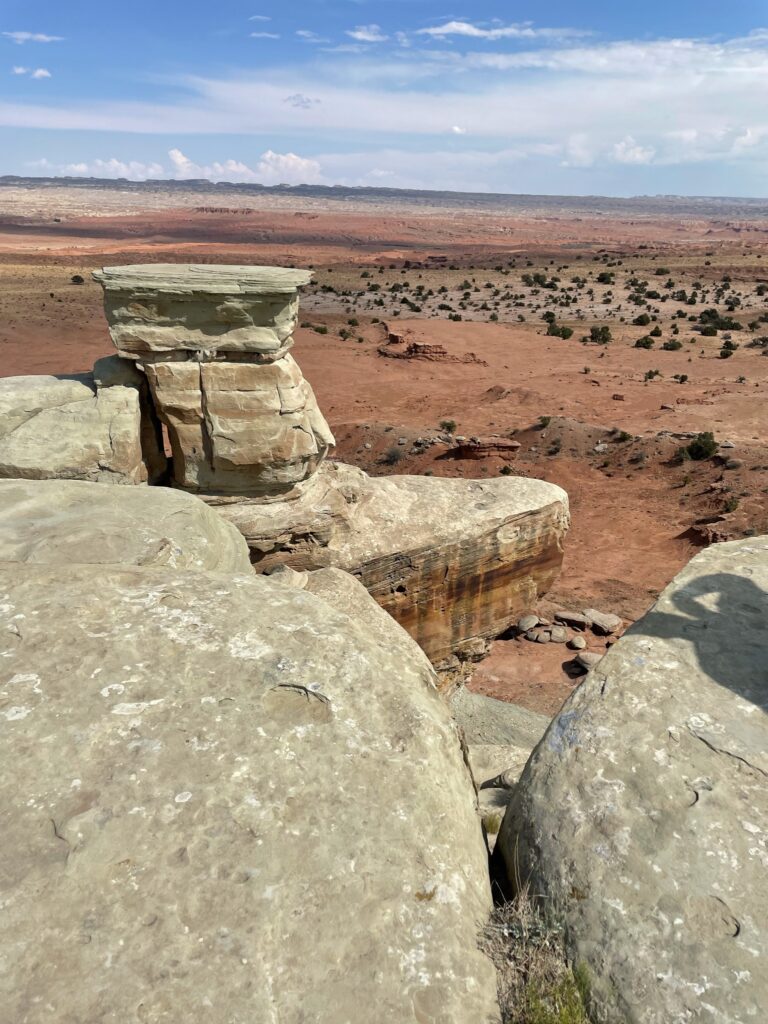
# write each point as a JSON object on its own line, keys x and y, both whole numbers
{"x": 727, "y": 444}
{"x": 402, "y": 440}
{"x": 527, "y": 622}
{"x": 368, "y": 446}
{"x": 577, "y": 643}
{"x": 588, "y": 659}
{"x": 734, "y": 464}
{"x": 558, "y": 634}
{"x": 603, "y": 622}
{"x": 543, "y": 636}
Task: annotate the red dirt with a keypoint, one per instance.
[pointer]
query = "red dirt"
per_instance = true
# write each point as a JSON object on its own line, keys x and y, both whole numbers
{"x": 630, "y": 519}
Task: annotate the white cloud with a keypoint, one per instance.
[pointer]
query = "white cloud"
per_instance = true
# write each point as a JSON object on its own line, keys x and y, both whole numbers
{"x": 271, "y": 169}
{"x": 310, "y": 37}
{"x": 367, "y": 34}
{"x": 259, "y": 17}
{"x": 32, "y": 37}
{"x": 629, "y": 152}
{"x": 36, "y": 73}
{"x": 496, "y": 31}
{"x": 458, "y": 131}
{"x": 264, "y": 35}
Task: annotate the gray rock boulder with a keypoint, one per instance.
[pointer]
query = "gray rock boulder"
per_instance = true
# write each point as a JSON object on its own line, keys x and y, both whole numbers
{"x": 225, "y": 799}
{"x": 66, "y": 427}
{"x": 642, "y": 815}
{"x": 69, "y": 521}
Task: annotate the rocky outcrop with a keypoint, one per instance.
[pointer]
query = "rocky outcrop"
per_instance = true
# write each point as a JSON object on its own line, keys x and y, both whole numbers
{"x": 214, "y": 342}
{"x": 642, "y": 815}
{"x": 224, "y": 794}
{"x": 64, "y": 522}
{"x": 70, "y": 427}
{"x": 454, "y": 561}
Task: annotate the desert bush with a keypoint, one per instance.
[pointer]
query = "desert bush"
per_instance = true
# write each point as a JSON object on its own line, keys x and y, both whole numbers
{"x": 77, "y": 279}
{"x": 672, "y": 346}
{"x": 449, "y": 426}
{"x": 703, "y": 446}
{"x": 392, "y": 456}
{"x": 646, "y": 342}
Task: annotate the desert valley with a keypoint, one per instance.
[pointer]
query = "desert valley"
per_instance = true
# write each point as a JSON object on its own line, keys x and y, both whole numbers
{"x": 586, "y": 343}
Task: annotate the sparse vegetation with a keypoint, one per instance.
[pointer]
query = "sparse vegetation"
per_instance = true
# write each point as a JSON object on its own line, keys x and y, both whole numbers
{"x": 536, "y": 984}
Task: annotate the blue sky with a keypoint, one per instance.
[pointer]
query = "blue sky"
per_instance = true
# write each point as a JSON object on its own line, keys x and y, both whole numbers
{"x": 573, "y": 98}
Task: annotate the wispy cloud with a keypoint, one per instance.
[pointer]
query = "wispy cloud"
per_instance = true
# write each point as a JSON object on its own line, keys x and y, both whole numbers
{"x": 308, "y": 36}
{"x": 32, "y": 72}
{"x": 524, "y": 30}
{"x": 264, "y": 35}
{"x": 367, "y": 34}
{"x": 259, "y": 17}
{"x": 32, "y": 37}
{"x": 300, "y": 101}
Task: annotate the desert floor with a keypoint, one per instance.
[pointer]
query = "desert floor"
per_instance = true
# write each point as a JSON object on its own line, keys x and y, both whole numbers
{"x": 478, "y": 288}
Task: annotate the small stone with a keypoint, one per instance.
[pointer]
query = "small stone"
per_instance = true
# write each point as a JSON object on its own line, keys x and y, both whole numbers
{"x": 574, "y": 619}
{"x": 734, "y": 464}
{"x": 577, "y": 643}
{"x": 727, "y": 444}
{"x": 603, "y": 622}
{"x": 531, "y": 635}
{"x": 367, "y": 446}
{"x": 527, "y": 622}
{"x": 587, "y": 659}
{"x": 558, "y": 634}
{"x": 402, "y": 440}
{"x": 543, "y": 636}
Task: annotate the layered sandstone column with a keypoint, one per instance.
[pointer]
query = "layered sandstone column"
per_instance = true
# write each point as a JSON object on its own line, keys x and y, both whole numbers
{"x": 214, "y": 343}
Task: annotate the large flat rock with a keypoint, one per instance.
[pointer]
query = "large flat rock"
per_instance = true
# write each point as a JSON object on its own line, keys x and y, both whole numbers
{"x": 643, "y": 813}
{"x": 66, "y": 427}
{"x": 225, "y": 799}
{"x": 70, "y": 521}
{"x": 454, "y": 561}
{"x": 157, "y": 309}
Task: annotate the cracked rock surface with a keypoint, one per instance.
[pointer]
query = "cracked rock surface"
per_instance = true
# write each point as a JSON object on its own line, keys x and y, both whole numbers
{"x": 642, "y": 816}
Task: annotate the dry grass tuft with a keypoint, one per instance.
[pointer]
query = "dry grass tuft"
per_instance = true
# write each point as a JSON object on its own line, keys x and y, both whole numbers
{"x": 536, "y": 985}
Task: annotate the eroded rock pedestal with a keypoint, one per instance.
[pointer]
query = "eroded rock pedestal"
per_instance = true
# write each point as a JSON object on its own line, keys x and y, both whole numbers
{"x": 214, "y": 343}
{"x": 642, "y": 816}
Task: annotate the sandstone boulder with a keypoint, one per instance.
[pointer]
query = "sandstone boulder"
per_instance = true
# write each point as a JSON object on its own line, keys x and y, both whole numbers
{"x": 65, "y": 427}
{"x": 225, "y": 800}
{"x": 452, "y": 560}
{"x": 643, "y": 813}
{"x": 70, "y": 521}
{"x": 247, "y": 428}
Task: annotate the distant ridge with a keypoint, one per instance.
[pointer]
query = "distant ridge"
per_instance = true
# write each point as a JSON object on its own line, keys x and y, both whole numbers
{"x": 703, "y": 206}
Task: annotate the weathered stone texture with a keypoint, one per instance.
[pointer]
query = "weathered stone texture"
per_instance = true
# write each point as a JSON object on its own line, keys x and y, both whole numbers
{"x": 66, "y": 427}
{"x": 452, "y": 560}
{"x": 240, "y": 427}
{"x": 167, "y": 308}
{"x": 642, "y": 815}
{"x": 224, "y": 799}
{"x": 70, "y": 521}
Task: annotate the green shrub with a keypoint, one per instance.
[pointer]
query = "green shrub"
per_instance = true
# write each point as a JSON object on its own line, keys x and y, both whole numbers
{"x": 703, "y": 446}
{"x": 449, "y": 426}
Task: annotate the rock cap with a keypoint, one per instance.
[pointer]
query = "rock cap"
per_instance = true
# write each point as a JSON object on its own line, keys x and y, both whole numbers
{"x": 201, "y": 277}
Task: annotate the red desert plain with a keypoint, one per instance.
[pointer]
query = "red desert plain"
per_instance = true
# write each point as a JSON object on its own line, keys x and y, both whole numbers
{"x": 591, "y": 343}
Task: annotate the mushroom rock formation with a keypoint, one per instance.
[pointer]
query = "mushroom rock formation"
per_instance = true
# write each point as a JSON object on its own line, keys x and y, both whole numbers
{"x": 454, "y": 561}
{"x": 214, "y": 343}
